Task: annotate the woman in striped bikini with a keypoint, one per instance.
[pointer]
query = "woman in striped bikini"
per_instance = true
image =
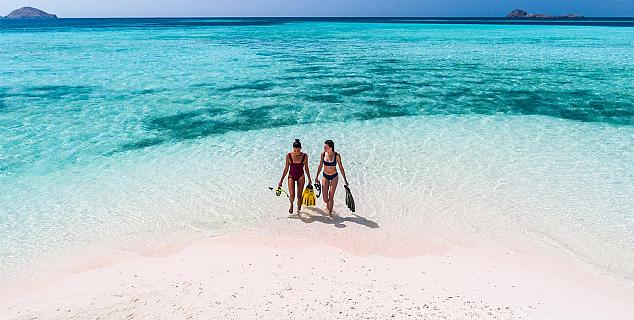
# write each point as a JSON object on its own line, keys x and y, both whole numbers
{"x": 330, "y": 179}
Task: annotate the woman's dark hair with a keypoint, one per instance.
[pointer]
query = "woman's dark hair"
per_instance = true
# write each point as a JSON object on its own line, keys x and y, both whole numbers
{"x": 297, "y": 144}
{"x": 330, "y": 144}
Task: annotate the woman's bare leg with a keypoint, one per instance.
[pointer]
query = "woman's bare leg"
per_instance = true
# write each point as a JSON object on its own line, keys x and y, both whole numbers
{"x": 325, "y": 184}
{"x": 291, "y": 193}
{"x": 331, "y": 194}
{"x": 300, "y": 190}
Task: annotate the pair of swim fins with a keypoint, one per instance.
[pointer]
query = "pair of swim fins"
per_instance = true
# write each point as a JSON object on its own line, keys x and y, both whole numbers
{"x": 308, "y": 196}
{"x": 349, "y": 199}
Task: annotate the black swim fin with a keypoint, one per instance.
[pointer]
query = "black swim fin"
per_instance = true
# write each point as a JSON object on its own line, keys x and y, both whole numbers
{"x": 349, "y": 199}
{"x": 317, "y": 188}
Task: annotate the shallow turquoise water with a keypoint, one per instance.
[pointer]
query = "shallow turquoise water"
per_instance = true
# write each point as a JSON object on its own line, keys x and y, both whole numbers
{"x": 82, "y": 103}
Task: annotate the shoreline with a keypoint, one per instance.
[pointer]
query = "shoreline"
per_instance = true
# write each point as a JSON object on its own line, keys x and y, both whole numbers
{"x": 306, "y": 260}
{"x": 451, "y": 196}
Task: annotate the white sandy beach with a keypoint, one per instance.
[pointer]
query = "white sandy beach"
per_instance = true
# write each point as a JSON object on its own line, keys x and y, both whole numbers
{"x": 321, "y": 270}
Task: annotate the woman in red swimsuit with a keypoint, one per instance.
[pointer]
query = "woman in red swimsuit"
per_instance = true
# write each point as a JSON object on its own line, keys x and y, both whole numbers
{"x": 297, "y": 161}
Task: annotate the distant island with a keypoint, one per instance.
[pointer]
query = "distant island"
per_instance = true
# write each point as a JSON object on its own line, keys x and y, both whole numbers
{"x": 519, "y": 13}
{"x": 29, "y": 13}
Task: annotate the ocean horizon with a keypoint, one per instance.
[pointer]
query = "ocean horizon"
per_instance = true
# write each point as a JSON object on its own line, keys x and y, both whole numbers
{"x": 624, "y": 21}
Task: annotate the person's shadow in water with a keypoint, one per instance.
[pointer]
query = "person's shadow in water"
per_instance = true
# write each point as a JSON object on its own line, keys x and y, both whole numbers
{"x": 312, "y": 214}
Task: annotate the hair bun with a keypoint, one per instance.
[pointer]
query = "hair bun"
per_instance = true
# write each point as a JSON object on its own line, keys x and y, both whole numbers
{"x": 296, "y": 140}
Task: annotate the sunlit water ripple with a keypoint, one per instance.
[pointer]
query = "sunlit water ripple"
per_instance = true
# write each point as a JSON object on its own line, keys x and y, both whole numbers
{"x": 125, "y": 128}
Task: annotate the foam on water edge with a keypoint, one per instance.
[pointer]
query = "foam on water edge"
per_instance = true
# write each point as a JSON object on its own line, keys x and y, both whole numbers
{"x": 546, "y": 180}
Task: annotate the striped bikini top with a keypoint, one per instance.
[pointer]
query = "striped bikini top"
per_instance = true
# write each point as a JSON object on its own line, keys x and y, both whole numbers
{"x": 327, "y": 163}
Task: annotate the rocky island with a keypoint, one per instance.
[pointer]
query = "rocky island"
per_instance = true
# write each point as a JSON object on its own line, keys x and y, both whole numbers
{"x": 29, "y": 13}
{"x": 519, "y": 13}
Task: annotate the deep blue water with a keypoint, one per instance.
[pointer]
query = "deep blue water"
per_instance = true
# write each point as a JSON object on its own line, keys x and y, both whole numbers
{"x": 261, "y": 21}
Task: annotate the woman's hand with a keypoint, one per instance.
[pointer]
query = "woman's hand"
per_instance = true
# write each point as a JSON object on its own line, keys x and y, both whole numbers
{"x": 317, "y": 180}
{"x": 279, "y": 185}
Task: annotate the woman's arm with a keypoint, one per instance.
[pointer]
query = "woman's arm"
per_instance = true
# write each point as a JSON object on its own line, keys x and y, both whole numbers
{"x": 343, "y": 172}
{"x": 284, "y": 174}
{"x": 307, "y": 171}
{"x": 321, "y": 165}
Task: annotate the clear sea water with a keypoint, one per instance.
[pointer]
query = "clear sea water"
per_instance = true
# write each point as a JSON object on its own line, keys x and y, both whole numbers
{"x": 116, "y": 129}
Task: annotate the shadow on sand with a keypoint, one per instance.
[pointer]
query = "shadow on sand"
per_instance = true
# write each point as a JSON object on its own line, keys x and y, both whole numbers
{"x": 312, "y": 214}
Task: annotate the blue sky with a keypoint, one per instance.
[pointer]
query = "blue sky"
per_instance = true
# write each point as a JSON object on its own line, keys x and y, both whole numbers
{"x": 184, "y": 8}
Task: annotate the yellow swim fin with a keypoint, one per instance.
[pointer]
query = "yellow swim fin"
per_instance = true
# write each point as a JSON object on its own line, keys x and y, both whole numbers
{"x": 308, "y": 196}
{"x": 304, "y": 196}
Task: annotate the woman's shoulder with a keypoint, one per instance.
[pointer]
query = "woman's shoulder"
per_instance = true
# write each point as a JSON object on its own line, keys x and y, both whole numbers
{"x": 303, "y": 154}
